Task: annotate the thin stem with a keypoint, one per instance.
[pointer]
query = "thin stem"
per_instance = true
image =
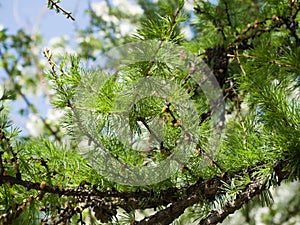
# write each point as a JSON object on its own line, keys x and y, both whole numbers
{"x": 68, "y": 14}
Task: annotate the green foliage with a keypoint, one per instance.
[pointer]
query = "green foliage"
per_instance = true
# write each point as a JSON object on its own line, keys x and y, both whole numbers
{"x": 252, "y": 49}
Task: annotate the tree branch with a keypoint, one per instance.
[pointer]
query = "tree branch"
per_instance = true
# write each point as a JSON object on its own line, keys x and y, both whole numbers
{"x": 52, "y": 4}
{"x": 217, "y": 216}
{"x": 178, "y": 199}
{"x": 169, "y": 214}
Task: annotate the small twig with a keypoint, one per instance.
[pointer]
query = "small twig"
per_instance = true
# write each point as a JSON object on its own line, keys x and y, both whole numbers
{"x": 142, "y": 120}
{"x": 48, "y": 55}
{"x": 227, "y": 13}
{"x": 270, "y": 62}
{"x": 238, "y": 59}
{"x": 281, "y": 64}
{"x": 58, "y": 8}
{"x": 210, "y": 157}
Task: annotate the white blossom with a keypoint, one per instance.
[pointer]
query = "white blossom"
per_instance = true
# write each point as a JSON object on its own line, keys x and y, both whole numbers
{"x": 187, "y": 31}
{"x": 110, "y": 19}
{"x": 189, "y": 5}
{"x": 100, "y": 8}
{"x": 34, "y": 125}
{"x": 1, "y": 91}
{"x": 58, "y": 40}
{"x": 128, "y": 6}
{"x": 126, "y": 28}
{"x": 54, "y": 115}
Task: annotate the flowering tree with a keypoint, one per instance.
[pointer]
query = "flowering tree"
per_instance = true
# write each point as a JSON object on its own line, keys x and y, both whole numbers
{"x": 164, "y": 112}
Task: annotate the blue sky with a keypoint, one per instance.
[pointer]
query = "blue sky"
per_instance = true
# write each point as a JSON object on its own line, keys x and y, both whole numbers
{"x": 34, "y": 16}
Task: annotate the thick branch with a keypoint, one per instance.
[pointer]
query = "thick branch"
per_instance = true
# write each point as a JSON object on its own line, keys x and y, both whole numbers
{"x": 169, "y": 214}
{"x": 217, "y": 216}
{"x": 177, "y": 199}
